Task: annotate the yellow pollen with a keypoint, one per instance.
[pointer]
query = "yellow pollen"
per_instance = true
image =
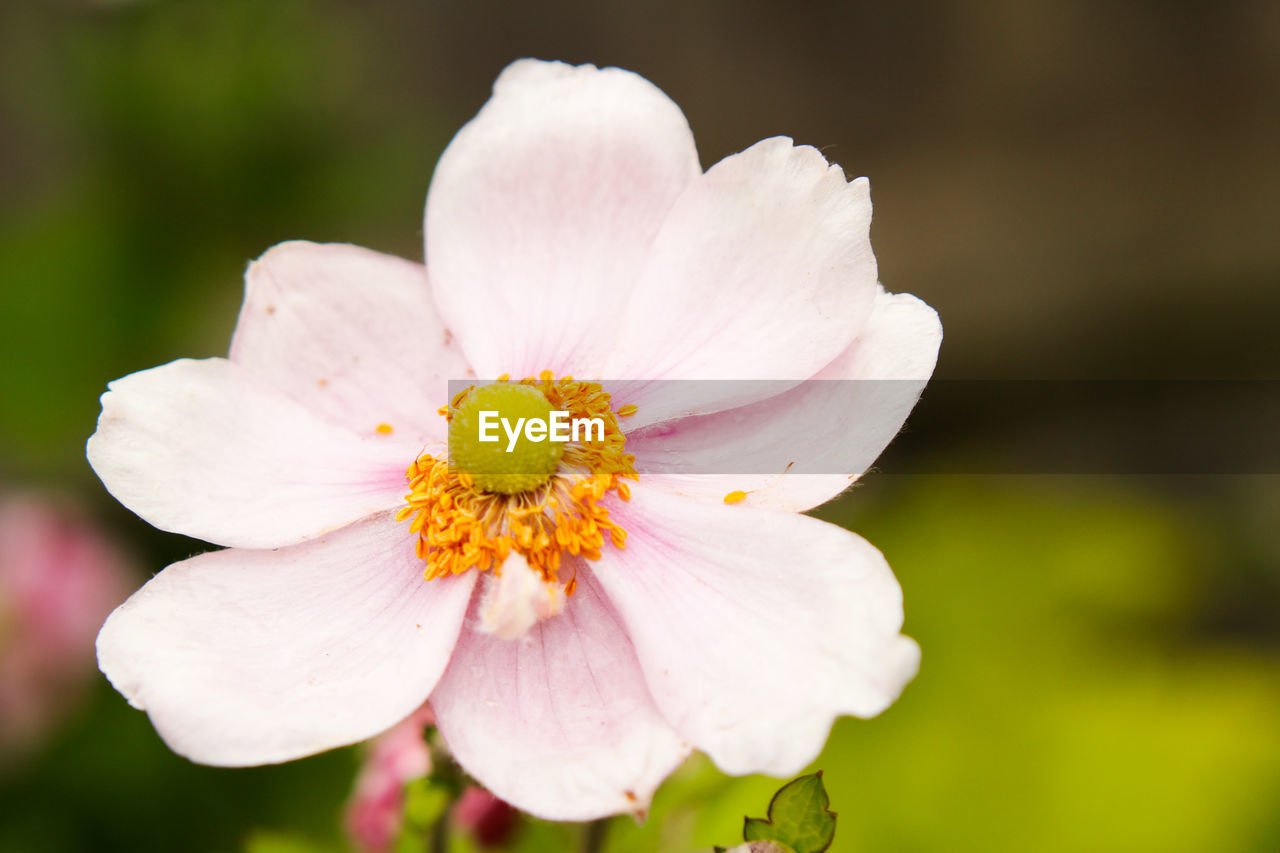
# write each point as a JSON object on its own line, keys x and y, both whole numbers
{"x": 735, "y": 497}
{"x": 461, "y": 524}
{"x": 383, "y": 429}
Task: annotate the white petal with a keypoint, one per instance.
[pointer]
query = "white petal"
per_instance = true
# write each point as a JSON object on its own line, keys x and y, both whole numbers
{"x": 763, "y": 270}
{"x": 516, "y": 598}
{"x": 755, "y": 628}
{"x": 559, "y": 723}
{"x": 253, "y": 657}
{"x": 542, "y": 208}
{"x": 802, "y": 448}
{"x": 351, "y": 334}
{"x": 204, "y": 449}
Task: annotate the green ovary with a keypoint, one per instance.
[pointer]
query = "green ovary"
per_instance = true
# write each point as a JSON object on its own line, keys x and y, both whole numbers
{"x": 528, "y": 464}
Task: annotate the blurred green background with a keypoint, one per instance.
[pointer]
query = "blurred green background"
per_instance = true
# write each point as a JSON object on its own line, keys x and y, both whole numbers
{"x": 1082, "y": 189}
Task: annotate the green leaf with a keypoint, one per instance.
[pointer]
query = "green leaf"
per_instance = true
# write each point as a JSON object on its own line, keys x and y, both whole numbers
{"x": 798, "y": 817}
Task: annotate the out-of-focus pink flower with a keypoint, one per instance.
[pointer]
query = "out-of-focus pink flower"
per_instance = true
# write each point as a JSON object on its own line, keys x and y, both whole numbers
{"x": 375, "y": 812}
{"x": 59, "y": 578}
{"x": 485, "y": 816}
{"x": 579, "y": 635}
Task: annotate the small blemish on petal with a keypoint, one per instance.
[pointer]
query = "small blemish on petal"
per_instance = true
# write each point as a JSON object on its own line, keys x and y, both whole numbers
{"x": 322, "y": 382}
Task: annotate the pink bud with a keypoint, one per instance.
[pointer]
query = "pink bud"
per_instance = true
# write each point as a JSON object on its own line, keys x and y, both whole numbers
{"x": 488, "y": 818}
{"x": 375, "y": 810}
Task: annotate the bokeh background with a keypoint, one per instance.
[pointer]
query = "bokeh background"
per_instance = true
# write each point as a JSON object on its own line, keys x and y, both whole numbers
{"x": 1083, "y": 190}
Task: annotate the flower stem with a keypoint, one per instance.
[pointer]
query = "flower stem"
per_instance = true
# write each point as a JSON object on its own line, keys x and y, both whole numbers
{"x": 440, "y": 836}
{"x": 593, "y": 840}
{"x": 447, "y": 781}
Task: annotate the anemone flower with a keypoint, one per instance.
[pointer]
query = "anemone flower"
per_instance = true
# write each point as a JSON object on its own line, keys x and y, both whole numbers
{"x": 577, "y": 625}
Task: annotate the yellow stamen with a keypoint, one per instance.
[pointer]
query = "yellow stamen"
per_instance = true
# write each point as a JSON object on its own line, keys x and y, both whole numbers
{"x": 383, "y": 429}
{"x": 735, "y": 497}
{"x": 462, "y": 526}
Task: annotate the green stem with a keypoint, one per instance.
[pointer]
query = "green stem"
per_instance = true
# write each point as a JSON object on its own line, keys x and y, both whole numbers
{"x": 446, "y": 776}
{"x": 593, "y": 840}
{"x": 440, "y": 834}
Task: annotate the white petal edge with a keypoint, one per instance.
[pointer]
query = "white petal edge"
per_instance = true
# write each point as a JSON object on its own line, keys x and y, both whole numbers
{"x": 246, "y": 657}
{"x": 816, "y": 439}
{"x": 763, "y": 270}
{"x": 351, "y": 334}
{"x": 541, "y": 211}
{"x": 204, "y": 449}
{"x": 756, "y": 628}
{"x": 559, "y": 723}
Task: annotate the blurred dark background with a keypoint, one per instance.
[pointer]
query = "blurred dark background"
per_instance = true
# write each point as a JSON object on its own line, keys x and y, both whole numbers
{"x": 1084, "y": 190}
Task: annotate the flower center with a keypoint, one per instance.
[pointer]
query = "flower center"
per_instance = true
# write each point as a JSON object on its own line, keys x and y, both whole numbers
{"x": 487, "y": 439}
{"x": 541, "y": 499}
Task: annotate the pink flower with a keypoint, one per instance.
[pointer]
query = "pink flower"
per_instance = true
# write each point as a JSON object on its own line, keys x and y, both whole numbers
{"x": 582, "y": 631}
{"x": 59, "y": 577}
{"x": 375, "y": 813}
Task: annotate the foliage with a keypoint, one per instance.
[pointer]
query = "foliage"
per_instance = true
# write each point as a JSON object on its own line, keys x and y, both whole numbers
{"x": 799, "y": 820}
